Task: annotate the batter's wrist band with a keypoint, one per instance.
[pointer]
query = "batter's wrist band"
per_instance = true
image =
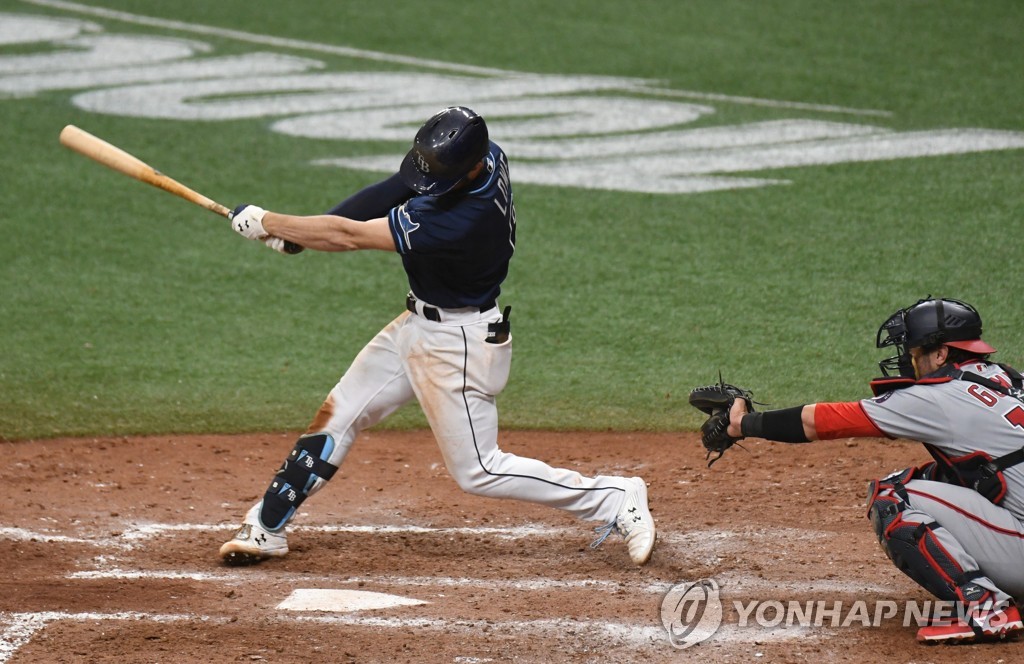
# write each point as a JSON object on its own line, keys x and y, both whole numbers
{"x": 784, "y": 426}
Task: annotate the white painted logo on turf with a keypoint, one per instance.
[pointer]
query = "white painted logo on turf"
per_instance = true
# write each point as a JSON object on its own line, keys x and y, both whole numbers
{"x": 592, "y": 132}
{"x": 691, "y": 612}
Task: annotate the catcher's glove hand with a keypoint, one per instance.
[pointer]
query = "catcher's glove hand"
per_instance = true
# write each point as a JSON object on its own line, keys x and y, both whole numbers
{"x": 717, "y": 401}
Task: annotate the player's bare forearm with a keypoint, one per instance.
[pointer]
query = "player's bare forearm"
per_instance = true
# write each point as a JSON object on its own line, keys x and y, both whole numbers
{"x": 807, "y": 417}
{"x": 330, "y": 233}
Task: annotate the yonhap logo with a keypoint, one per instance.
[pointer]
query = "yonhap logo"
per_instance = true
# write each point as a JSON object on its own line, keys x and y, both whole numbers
{"x": 691, "y": 612}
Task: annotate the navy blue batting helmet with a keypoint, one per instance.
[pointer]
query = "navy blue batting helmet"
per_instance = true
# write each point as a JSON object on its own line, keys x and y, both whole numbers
{"x": 445, "y": 150}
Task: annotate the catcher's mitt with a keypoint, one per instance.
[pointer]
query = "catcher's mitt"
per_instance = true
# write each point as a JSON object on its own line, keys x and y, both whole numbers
{"x": 716, "y": 401}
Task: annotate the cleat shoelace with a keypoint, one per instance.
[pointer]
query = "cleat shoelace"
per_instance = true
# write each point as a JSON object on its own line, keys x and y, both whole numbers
{"x": 604, "y": 531}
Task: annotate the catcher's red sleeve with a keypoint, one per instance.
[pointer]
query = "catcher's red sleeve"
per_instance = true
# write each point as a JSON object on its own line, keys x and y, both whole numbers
{"x": 843, "y": 420}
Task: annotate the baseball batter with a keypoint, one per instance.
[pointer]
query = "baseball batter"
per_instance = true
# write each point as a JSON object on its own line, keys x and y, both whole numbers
{"x": 449, "y": 214}
{"x": 954, "y": 525}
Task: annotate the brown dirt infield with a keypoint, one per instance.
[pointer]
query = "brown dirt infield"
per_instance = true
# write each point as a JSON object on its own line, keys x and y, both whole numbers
{"x": 111, "y": 550}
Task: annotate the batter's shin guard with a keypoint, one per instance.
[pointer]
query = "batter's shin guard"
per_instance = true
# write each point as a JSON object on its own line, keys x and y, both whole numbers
{"x": 918, "y": 553}
{"x": 304, "y": 471}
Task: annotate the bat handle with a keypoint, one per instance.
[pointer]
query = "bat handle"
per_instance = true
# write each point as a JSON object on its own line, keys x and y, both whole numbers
{"x": 220, "y": 209}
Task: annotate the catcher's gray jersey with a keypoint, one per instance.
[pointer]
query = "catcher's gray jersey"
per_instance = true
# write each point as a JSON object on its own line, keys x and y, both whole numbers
{"x": 959, "y": 417}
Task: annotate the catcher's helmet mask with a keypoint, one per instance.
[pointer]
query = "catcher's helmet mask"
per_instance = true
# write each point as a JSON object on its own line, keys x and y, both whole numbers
{"x": 929, "y": 322}
{"x": 445, "y": 150}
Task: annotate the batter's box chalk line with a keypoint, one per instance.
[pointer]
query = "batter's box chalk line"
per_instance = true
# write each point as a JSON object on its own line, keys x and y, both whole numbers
{"x": 19, "y": 628}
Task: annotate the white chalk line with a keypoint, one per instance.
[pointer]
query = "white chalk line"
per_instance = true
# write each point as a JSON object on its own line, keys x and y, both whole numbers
{"x": 263, "y": 574}
{"x": 716, "y": 538}
{"x": 728, "y": 582}
{"x": 706, "y": 544}
{"x": 624, "y": 633}
{"x": 21, "y": 627}
{"x": 650, "y": 87}
{"x": 757, "y": 101}
{"x": 151, "y": 530}
{"x": 131, "y": 535}
{"x": 25, "y": 535}
{"x": 609, "y": 634}
{"x": 264, "y": 40}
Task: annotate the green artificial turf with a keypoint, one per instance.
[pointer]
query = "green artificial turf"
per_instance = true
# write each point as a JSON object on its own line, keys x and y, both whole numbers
{"x": 126, "y": 311}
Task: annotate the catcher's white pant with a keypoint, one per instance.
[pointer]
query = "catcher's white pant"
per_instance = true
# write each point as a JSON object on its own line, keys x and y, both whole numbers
{"x": 455, "y": 375}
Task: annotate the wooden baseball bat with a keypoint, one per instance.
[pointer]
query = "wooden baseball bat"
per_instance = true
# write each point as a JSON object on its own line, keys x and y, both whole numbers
{"x": 113, "y": 157}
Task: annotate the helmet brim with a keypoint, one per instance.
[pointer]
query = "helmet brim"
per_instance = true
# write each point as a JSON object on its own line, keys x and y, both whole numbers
{"x": 424, "y": 183}
{"x": 972, "y": 346}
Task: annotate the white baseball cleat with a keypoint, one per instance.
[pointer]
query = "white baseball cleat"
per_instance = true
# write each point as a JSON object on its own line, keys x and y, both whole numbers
{"x": 253, "y": 543}
{"x": 635, "y": 522}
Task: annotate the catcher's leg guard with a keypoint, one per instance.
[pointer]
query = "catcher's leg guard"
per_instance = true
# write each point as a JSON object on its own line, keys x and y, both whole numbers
{"x": 915, "y": 548}
{"x": 304, "y": 471}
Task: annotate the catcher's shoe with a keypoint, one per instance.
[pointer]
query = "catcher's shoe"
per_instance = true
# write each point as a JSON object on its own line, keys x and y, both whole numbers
{"x": 253, "y": 543}
{"x": 634, "y": 522}
{"x": 977, "y": 625}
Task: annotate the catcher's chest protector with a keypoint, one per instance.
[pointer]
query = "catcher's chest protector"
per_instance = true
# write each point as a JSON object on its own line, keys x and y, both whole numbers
{"x": 976, "y": 470}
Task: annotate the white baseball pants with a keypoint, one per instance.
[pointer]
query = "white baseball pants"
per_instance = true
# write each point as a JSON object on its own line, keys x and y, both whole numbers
{"x": 455, "y": 375}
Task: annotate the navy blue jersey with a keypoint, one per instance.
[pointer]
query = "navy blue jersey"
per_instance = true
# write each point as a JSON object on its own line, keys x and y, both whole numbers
{"x": 456, "y": 248}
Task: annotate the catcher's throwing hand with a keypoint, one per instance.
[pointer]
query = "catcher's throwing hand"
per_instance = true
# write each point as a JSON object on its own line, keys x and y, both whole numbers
{"x": 725, "y": 405}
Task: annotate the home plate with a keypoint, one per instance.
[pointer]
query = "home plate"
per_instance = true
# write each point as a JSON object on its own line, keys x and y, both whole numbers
{"x": 316, "y": 599}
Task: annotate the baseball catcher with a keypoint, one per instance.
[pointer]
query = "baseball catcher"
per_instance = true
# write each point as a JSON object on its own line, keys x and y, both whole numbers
{"x": 955, "y": 525}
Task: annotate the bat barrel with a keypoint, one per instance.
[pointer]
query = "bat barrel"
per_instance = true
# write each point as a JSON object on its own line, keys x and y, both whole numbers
{"x": 114, "y": 157}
